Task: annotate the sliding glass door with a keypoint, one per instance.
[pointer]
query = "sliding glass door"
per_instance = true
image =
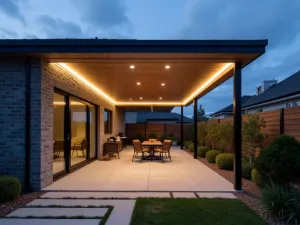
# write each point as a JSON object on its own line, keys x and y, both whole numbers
{"x": 74, "y": 133}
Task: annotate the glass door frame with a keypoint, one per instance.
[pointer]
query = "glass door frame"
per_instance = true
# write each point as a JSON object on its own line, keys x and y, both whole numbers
{"x": 67, "y": 133}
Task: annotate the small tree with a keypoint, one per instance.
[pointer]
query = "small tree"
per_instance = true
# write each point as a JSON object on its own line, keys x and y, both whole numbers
{"x": 226, "y": 136}
{"x": 201, "y": 133}
{"x": 252, "y": 135}
{"x": 213, "y": 134}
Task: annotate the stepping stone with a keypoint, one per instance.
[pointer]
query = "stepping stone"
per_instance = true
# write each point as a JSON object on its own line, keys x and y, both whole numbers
{"x": 131, "y": 195}
{"x": 57, "y": 212}
{"x": 184, "y": 195}
{"x": 13, "y": 221}
{"x": 215, "y": 195}
{"x": 81, "y": 202}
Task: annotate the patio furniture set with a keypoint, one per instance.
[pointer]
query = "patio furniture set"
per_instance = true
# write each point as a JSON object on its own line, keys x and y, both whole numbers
{"x": 151, "y": 147}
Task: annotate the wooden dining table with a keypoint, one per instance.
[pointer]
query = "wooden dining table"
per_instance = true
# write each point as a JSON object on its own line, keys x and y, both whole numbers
{"x": 152, "y": 145}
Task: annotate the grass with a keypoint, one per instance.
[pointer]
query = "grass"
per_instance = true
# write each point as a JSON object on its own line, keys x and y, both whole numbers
{"x": 202, "y": 211}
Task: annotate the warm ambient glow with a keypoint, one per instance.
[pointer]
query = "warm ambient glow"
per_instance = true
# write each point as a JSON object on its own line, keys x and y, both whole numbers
{"x": 163, "y": 84}
{"x": 207, "y": 83}
{"x": 63, "y": 103}
{"x": 167, "y": 66}
{"x": 132, "y": 66}
{"x": 86, "y": 82}
{"x": 132, "y": 103}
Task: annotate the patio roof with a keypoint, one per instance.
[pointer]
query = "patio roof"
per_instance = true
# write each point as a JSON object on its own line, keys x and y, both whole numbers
{"x": 166, "y": 73}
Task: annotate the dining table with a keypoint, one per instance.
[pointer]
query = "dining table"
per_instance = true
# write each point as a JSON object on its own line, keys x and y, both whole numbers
{"x": 152, "y": 145}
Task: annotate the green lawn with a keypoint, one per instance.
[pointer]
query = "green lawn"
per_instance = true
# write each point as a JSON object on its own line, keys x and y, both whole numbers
{"x": 193, "y": 212}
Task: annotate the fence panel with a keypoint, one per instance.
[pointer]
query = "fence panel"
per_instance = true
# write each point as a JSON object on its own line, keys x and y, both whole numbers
{"x": 292, "y": 122}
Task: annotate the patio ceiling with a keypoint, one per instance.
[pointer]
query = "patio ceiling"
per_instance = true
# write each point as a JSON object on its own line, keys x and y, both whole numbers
{"x": 195, "y": 67}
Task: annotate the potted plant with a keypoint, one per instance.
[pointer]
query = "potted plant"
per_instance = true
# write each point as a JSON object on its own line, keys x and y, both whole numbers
{"x": 152, "y": 135}
{"x": 172, "y": 138}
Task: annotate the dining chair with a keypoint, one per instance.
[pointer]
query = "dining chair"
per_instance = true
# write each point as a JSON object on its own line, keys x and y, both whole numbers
{"x": 79, "y": 146}
{"x": 138, "y": 148}
{"x": 164, "y": 149}
{"x": 58, "y": 146}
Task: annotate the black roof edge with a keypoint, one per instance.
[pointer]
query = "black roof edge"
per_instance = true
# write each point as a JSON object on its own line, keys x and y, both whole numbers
{"x": 130, "y": 46}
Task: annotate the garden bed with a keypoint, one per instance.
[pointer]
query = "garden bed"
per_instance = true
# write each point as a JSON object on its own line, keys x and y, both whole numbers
{"x": 8, "y": 207}
{"x": 251, "y": 193}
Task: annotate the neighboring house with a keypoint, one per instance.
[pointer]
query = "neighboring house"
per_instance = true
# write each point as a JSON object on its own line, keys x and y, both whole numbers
{"x": 155, "y": 117}
{"x": 284, "y": 94}
{"x": 228, "y": 110}
{"x": 270, "y": 95}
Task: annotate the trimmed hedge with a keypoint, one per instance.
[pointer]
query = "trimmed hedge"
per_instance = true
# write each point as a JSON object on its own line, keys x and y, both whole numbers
{"x": 186, "y": 144}
{"x": 256, "y": 177}
{"x": 10, "y": 188}
{"x": 202, "y": 150}
{"x": 225, "y": 161}
{"x": 211, "y": 155}
{"x": 191, "y": 147}
{"x": 246, "y": 170}
{"x": 280, "y": 161}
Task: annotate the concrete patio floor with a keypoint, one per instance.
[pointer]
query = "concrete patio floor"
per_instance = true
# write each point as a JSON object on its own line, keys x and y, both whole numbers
{"x": 182, "y": 174}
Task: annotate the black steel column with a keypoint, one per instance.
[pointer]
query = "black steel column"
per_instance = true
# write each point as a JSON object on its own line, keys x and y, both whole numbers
{"x": 181, "y": 128}
{"x": 195, "y": 128}
{"x": 237, "y": 123}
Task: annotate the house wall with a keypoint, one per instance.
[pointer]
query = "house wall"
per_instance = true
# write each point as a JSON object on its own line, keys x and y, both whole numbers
{"x": 273, "y": 106}
{"x": 44, "y": 77}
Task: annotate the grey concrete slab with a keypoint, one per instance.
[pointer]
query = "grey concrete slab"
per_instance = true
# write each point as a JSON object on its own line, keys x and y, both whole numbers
{"x": 182, "y": 174}
{"x": 14, "y": 221}
{"x": 215, "y": 195}
{"x": 184, "y": 195}
{"x": 121, "y": 213}
{"x": 57, "y": 212}
{"x": 131, "y": 195}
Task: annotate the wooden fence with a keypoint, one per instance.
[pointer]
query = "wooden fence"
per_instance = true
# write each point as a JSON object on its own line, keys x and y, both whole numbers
{"x": 281, "y": 121}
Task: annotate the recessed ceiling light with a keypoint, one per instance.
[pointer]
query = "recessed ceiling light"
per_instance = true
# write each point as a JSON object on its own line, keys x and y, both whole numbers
{"x": 141, "y": 98}
{"x": 160, "y": 98}
{"x": 131, "y": 66}
{"x": 162, "y": 84}
{"x": 167, "y": 66}
{"x": 138, "y": 83}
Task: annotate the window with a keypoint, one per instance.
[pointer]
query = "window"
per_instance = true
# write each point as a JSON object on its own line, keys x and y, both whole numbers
{"x": 107, "y": 121}
{"x": 289, "y": 104}
{"x": 296, "y": 104}
{"x": 259, "y": 110}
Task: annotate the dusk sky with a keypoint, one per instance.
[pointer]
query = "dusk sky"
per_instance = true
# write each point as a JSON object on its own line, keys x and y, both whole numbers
{"x": 276, "y": 20}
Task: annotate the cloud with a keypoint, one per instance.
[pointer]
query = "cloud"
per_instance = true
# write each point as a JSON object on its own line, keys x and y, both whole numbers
{"x": 6, "y": 33}
{"x": 11, "y": 8}
{"x": 58, "y": 28}
{"x": 275, "y": 20}
{"x": 104, "y": 14}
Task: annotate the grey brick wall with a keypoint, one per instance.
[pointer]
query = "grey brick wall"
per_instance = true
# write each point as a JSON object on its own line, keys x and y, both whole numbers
{"x": 12, "y": 118}
{"x": 44, "y": 77}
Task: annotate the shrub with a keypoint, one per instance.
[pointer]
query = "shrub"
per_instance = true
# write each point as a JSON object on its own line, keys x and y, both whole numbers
{"x": 213, "y": 134}
{"x": 246, "y": 170}
{"x": 256, "y": 177}
{"x": 191, "y": 147}
{"x": 139, "y": 136}
{"x": 202, "y": 151}
{"x": 211, "y": 155}
{"x": 282, "y": 202}
{"x": 225, "y": 161}
{"x": 10, "y": 188}
{"x": 186, "y": 144}
{"x": 152, "y": 135}
{"x": 280, "y": 161}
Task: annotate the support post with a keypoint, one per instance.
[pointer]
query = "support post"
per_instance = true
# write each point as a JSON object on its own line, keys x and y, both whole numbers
{"x": 237, "y": 125}
{"x": 195, "y": 128}
{"x": 181, "y": 127}
{"x": 281, "y": 130}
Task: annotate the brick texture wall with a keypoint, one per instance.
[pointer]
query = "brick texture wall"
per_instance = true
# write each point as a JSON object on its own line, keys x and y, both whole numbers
{"x": 44, "y": 77}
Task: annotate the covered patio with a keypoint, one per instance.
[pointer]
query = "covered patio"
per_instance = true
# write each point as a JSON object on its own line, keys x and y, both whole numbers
{"x": 183, "y": 174}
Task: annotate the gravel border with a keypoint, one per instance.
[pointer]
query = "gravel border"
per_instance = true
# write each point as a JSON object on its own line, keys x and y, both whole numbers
{"x": 8, "y": 207}
{"x": 251, "y": 193}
